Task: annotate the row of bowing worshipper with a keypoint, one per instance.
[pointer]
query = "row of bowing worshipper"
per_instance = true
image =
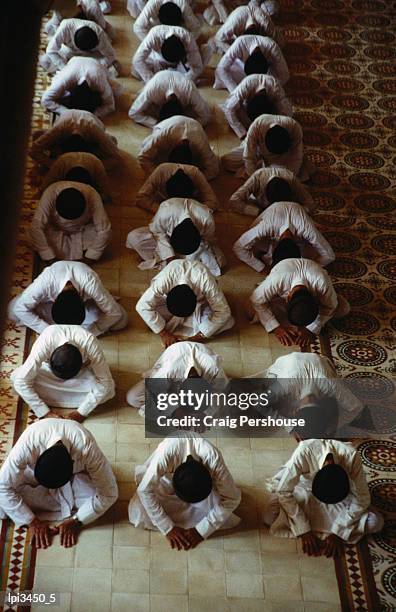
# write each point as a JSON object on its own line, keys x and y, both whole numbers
{"x": 56, "y": 479}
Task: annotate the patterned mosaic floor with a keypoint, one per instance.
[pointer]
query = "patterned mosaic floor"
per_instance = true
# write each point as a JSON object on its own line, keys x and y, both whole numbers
{"x": 341, "y": 58}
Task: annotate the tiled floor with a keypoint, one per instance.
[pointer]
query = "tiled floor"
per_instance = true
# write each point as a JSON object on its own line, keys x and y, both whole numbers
{"x": 115, "y": 566}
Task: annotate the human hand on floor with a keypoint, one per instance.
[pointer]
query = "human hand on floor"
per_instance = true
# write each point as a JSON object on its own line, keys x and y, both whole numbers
{"x": 194, "y": 537}
{"x": 178, "y": 538}
{"x": 167, "y": 338}
{"x": 41, "y": 533}
{"x": 310, "y": 544}
{"x": 286, "y": 335}
{"x": 74, "y": 415}
{"x": 304, "y": 337}
{"x": 332, "y": 546}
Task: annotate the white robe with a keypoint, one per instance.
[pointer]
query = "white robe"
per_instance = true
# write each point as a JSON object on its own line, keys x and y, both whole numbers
{"x": 230, "y": 70}
{"x": 212, "y": 314}
{"x": 238, "y": 21}
{"x": 90, "y": 493}
{"x": 153, "y": 191}
{"x": 52, "y": 236}
{"x": 62, "y": 47}
{"x": 253, "y": 153}
{"x": 266, "y": 230}
{"x": 135, "y": 7}
{"x": 250, "y": 199}
{"x": 156, "y": 506}
{"x": 166, "y": 135}
{"x": 175, "y": 363}
{"x": 301, "y": 512}
{"x": 148, "y": 18}
{"x": 80, "y": 122}
{"x": 269, "y": 297}
{"x": 92, "y": 9}
{"x": 33, "y": 306}
{"x": 91, "y": 163}
{"x": 148, "y": 59}
{"x": 235, "y": 105}
{"x": 145, "y": 109}
{"x": 303, "y": 374}
{"x": 40, "y": 388}
{"x": 219, "y": 10}
{"x": 152, "y": 242}
{"x": 78, "y": 70}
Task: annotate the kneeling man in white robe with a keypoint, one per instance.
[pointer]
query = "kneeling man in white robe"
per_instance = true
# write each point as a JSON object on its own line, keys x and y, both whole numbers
{"x": 70, "y": 293}
{"x": 167, "y": 94}
{"x": 304, "y": 384}
{"x": 171, "y": 180}
{"x": 321, "y": 496}
{"x": 185, "y": 302}
{"x": 267, "y": 186}
{"x": 66, "y": 368}
{"x": 179, "y": 361}
{"x": 179, "y": 140}
{"x": 271, "y": 141}
{"x": 70, "y": 223}
{"x": 56, "y": 472}
{"x": 185, "y": 491}
{"x": 282, "y": 229}
{"x": 296, "y": 300}
{"x": 182, "y": 228}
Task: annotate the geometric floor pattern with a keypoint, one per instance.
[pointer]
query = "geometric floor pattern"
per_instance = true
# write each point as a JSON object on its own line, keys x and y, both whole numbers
{"x": 341, "y": 58}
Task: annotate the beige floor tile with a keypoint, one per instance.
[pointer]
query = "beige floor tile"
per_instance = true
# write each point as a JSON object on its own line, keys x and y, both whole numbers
{"x": 165, "y": 603}
{"x": 201, "y": 560}
{"x": 99, "y": 535}
{"x": 271, "y": 545}
{"x": 127, "y": 535}
{"x": 324, "y": 590}
{"x": 55, "y": 556}
{"x": 93, "y": 556}
{"x": 243, "y": 562}
{"x": 244, "y": 585}
{"x": 247, "y": 605}
{"x": 124, "y": 471}
{"x": 280, "y": 564}
{"x": 168, "y": 582}
{"x": 97, "y": 579}
{"x": 167, "y": 557}
{"x": 214, "y": 583}
{"x": 90, "y": 600}
{"x": 316, "y": 606}
{"x": 135, "y": 453}
{"x": 130, "y": 581}
{"x": 64, "y": 604}
{"x": 130, "y": 557}
{"x": 53, "y": 579}
{"x": 242, "y": 540}
{"x": 121, "y": 602}
{"x": 315, "y": 566}
{"x": 204, "y": 604}
{"x": 129, "y": 434}
{"x": 286, "y": 587}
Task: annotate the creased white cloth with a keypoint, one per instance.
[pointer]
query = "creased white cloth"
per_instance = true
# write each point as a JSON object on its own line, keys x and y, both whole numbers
{"x": 32, "y": 307}
{"x": 70, "y": 122}
{"x": 283, "y": 277}
{"x": 301, "y": 512}
{"x": 145, "y": 109}
{"x": 91, "y": 492}
{"x": 79, "y": 70}
{"x": 153, "y": 191}
{"x": 52, "y": 236}
{"x": 175, "y": 363}
{"x": 235, "y": 105}
{"x": 212, "y": 314}
{"x": 92, "y": 10}
{"x": 89, "y": 162}
{"x": 250, "y": 199}
{"x": 156, "y": 506}
{"x": 303, "y": 374}
{"x": 166, "y": 135}
{"x": 237, "y": 23}
{"x": 62, "y": 47}
{"x": 148, "y": 59}
{"x": 148, "y": 18}
{"x": 266, "y": 230}
{"x": 230, "y": 70}
{"x": 171, "y": 213}
{"x": 40, "y": 388}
